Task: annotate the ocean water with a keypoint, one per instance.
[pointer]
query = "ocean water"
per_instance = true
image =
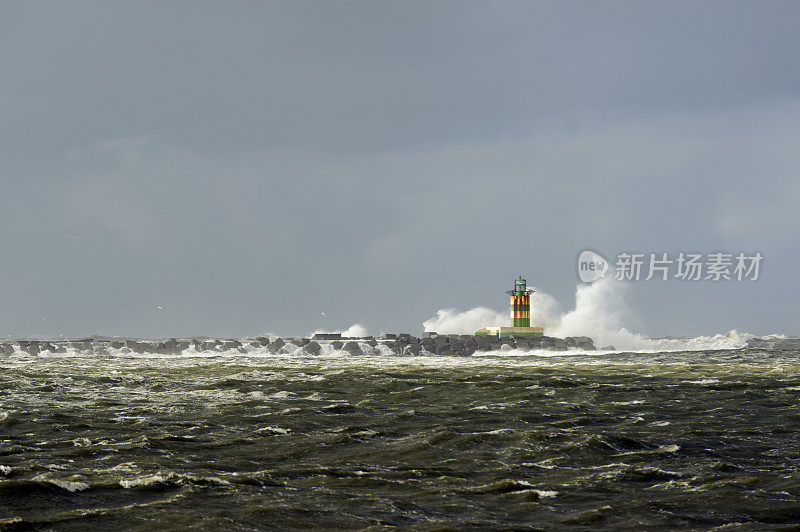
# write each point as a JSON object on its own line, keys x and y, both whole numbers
{"x": 504, "y": 440}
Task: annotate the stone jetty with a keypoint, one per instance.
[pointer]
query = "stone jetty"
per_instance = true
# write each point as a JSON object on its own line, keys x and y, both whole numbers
{"x": 388, "y": 344}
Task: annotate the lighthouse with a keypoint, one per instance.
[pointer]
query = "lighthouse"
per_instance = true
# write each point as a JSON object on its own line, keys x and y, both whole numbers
{"x": 520, "y": 315}
{"x": 520, "y": 304}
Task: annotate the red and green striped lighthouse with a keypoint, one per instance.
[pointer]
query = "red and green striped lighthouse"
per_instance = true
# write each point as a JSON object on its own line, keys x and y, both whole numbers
{"x": 520, "y": 315}
{"x": 520, "y": 304}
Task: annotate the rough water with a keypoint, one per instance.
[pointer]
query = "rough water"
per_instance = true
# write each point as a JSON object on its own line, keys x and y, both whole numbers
{"x": 537, "y": 440}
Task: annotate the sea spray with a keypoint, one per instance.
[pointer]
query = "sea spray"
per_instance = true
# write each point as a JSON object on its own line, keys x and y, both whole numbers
{"x": 601, "y": 312}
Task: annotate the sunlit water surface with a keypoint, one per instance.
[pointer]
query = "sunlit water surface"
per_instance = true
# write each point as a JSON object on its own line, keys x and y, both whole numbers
{"x": 603, "y": 440}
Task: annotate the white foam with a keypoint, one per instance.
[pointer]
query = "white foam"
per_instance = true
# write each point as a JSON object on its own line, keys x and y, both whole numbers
{"x": 354, "y": 331}
{"x": 69, "y": 485}
{"x": 542, "y": 353}
{"x": 274, "y": 430}
{"x": 451, "y": 321}
{"x": 150, "y": 480}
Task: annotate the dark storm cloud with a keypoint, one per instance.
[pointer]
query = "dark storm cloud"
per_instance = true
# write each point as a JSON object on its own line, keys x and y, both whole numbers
{"x": 249, "y": 166}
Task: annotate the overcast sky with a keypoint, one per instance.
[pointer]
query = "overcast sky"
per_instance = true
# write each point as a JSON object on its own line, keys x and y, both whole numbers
{"x": 250, "y": 165}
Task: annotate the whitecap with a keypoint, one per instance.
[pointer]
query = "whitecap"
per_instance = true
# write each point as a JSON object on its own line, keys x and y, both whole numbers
{"x": 545, "y": 494}
{"x": 497, "y": 431}
{"x": 274, "y": 430}
{"x": 151, "y": 480}
{"x": 68, "y": 485}
{"x": 544, "y": 464}
{"x": 279, "y": 395}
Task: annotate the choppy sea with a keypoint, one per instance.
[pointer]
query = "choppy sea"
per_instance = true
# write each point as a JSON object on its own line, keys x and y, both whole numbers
{"x": 538, "y": 440}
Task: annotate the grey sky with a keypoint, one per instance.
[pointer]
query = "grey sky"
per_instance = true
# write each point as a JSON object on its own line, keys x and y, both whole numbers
{"x": 248, "y": 165}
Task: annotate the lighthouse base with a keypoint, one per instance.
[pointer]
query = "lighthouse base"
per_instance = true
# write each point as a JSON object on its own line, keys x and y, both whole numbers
{"x": 508, "y": 332}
